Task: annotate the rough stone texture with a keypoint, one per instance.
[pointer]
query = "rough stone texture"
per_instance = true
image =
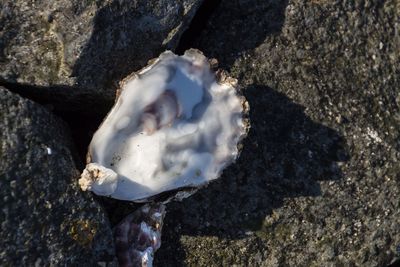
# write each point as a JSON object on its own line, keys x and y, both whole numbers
{"x": 82, "y": 48}
{"x": 318, "y": 181}
{"x": 45, "y": 218}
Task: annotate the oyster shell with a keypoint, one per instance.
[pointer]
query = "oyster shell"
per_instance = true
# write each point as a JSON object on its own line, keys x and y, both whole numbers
{"x": 138, "y": 236}
{"x": 174, "y": 125}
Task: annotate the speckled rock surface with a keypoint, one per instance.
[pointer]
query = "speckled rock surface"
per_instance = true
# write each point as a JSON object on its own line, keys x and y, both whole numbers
{"x": 82, "y": 48}
{"x": 318, "y": 181}
{"x": 45, "y": 218}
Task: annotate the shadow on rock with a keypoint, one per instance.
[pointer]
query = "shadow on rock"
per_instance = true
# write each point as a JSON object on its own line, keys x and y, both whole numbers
{"x": 284, "y": 156}
{"x": 238, "y": 26}
{"x": 126, "y": 35}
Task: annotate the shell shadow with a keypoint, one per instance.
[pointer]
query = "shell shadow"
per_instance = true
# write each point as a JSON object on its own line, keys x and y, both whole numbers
{"x": 284, "y": 156}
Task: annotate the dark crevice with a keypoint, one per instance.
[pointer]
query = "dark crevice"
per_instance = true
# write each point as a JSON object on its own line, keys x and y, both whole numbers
{"x": 61, "y": 98}
{"x": 83, "y": 126}
{"x": 197, "y": 25}
{"x": 395, "y": 263}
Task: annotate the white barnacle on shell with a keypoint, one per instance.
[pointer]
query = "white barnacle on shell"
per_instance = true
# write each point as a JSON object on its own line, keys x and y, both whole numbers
{"x": 174, "y": 125}
{"x": 98, "y": 179}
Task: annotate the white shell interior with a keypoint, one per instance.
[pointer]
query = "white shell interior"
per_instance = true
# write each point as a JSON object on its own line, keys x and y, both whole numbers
{"x": 172, "y": 126}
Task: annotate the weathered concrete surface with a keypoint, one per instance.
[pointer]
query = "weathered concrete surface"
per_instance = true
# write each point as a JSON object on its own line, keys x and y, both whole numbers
{"x": 45, "y": 218}
{"x": 82, "y": 48}
{"x": 318, "y": 181}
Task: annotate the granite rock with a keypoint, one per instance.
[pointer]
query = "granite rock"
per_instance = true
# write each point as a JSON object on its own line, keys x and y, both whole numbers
{"x": 45, "y": 219}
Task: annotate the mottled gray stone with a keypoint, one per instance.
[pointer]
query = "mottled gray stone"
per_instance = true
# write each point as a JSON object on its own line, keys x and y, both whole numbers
{"x": 318, "y": 181}
{"x": 81, "y": 49}
{"x": 45, "y": 218}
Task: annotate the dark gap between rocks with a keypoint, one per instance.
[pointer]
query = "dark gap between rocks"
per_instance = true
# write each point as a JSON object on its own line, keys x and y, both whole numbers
{"x": 197, "y": 25}
{"x": 395, "y": 263}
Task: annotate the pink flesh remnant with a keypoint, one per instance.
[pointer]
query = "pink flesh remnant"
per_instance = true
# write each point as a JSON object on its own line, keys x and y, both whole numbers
{"x": 138, "y": 236}
{"x": 160, "y": 113}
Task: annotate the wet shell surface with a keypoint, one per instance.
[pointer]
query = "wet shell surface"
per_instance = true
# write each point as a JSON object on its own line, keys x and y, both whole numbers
{"x": 176, "y": 124}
